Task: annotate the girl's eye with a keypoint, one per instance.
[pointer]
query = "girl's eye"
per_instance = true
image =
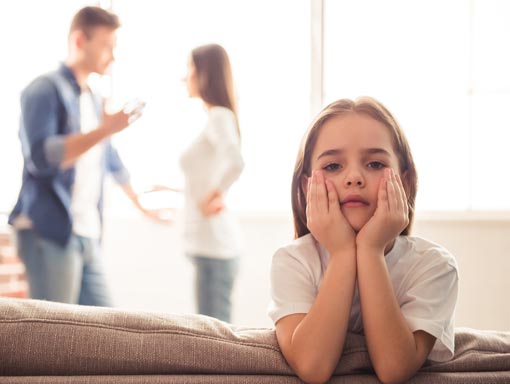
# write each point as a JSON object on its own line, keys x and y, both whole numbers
{"x": 376, "y": 165}
{"x": 332, "y": 167}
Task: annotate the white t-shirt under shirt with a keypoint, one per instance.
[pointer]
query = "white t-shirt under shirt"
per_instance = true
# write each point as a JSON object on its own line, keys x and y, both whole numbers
{"x": 212, "y": 161}
{"x": 424, "y": 277}
{"x": 87, "y": 181}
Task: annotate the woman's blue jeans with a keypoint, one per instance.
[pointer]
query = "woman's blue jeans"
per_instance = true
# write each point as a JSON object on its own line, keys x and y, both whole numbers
{"x": 214, "y": 281}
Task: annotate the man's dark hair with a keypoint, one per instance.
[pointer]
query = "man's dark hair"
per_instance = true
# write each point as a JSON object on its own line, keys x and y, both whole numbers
{"x": 91, "y": 17}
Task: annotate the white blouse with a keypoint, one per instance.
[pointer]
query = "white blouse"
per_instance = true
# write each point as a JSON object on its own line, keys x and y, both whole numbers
{"x": 212, "y": 161}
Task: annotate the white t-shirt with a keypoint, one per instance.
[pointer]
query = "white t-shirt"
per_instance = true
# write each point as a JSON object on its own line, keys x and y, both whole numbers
{"x": 87, "y": 181}
{"x": 424, "y": 277}
{"x": 212, "y": 161}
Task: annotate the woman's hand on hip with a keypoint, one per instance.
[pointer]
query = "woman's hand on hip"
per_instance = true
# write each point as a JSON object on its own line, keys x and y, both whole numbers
{"x": 212, "y": 204}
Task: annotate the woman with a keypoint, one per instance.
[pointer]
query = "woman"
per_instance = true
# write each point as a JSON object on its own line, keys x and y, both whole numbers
{"x": 211, "y": 164}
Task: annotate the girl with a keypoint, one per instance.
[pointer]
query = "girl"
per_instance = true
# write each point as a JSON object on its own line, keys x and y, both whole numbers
{"x": 211, "y": 164}
{"x": 353, "y": 266}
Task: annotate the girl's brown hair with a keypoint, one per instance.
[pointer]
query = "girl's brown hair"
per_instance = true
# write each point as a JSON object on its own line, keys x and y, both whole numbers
{"x": 214, "y": 77}
{"x": 367, "y": 106}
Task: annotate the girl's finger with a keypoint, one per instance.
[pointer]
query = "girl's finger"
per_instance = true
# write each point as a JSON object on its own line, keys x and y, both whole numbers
{"x": 402, "y": 193}
{"x": 396, "y": 203}
{"x": 333, "y": 204}
{"x": 313, "y": 192}
{"x": 392, "y": 198}
{"x": 322, "y": 197}
{"x": 308, "y": 196}
{"x": 382, "y": 195}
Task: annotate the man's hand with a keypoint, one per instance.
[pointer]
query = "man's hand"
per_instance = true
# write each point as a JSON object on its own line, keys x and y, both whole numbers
{"x": 120, "y": 120}
{"x": 163, "y": 216}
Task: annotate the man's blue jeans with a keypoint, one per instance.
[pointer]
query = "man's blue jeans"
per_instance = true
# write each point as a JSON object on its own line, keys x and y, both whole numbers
{"x": 72, "y": 274}
{"x": 214, "y": 281}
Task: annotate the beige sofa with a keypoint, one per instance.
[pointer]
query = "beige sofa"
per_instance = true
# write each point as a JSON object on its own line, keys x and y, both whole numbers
{"x": 43, "y": 342}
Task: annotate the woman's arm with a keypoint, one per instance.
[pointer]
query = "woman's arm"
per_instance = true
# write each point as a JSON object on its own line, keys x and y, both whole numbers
{"x": 312, "y": 343}
{"x": 221, "y": 131}
{"x": 395, "y": 351}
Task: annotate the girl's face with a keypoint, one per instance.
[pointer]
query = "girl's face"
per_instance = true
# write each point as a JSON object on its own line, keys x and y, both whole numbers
{"x": 191, "y": 79}
{"x": 352, "y": 151}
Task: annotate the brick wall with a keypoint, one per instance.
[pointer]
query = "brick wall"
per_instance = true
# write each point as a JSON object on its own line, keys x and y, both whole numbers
{"x": 12, "y": 271}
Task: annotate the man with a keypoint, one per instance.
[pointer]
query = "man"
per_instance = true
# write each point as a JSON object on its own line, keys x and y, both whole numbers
{"x": 65, "y": 135}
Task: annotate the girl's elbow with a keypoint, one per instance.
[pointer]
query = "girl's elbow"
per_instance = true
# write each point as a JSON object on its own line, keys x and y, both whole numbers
{"x": 394, "y": 373}
{"x": 313, "y": 373}
{"x": 314, "y": 377}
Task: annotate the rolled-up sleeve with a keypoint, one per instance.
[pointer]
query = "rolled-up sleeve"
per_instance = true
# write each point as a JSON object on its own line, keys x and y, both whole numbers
{"x": 43, "y": 147}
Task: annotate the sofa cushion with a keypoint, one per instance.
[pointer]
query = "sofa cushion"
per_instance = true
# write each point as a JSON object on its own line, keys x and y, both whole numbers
{"x": 62, "y": 339}
{"x": 39, "y": 338}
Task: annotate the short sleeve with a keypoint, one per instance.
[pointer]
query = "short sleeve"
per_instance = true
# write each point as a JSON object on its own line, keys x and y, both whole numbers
{"x": 429, "y": 302}
{"x": 293, "y": 287}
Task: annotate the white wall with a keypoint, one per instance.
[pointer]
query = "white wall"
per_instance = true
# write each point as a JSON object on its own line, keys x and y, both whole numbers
{"x": 481, "y": 246}
{"x": 148, "y": 271}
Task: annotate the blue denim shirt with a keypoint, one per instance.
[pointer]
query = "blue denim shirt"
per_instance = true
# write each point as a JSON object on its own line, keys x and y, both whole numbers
{"x": 50, "y": 110}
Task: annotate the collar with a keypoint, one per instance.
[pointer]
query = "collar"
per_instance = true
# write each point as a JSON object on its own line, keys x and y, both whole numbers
{"x": 69, "y": 75}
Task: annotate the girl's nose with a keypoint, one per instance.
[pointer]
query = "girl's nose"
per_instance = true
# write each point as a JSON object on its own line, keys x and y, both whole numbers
{"x": 354, "y": 178}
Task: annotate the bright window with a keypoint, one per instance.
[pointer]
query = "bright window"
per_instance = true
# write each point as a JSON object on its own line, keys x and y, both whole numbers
{"x": 441, "y": 68}
{"x": 268, "y": 43}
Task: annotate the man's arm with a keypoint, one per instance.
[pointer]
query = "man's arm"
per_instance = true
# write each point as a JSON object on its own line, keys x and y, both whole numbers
{"x": 77, "y": 144}
{"x": 159, "y": 215}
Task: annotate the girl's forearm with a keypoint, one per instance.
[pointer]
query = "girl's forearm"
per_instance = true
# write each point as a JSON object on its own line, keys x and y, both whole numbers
{"x": 318, "y": 340}
{"x": 391, "y": 344}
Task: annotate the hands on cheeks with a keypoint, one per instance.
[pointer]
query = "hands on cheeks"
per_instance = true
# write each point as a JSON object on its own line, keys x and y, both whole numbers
{"x": 390, "y": 217}
{"x": 324, "y": 217}
{"x": 329, "y": 226}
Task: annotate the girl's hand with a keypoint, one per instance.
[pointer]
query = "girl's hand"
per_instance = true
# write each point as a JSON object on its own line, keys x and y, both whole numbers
{"x": 324, "y": 217}
{"x": 391, "y": 215}
{"x": 212, "y": 204}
